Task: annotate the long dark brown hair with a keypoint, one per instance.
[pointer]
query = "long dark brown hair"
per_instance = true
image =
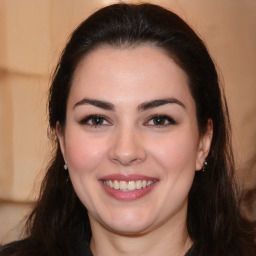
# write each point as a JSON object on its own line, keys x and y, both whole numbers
{"x": 59, "y": 222}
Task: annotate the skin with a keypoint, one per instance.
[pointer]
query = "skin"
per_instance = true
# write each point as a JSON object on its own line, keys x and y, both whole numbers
{"x": 128, "y": 140}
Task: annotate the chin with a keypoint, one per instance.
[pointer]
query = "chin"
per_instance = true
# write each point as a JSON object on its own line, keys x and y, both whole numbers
{"x": 129, "y": 224}
{"x": 129, "y": 229}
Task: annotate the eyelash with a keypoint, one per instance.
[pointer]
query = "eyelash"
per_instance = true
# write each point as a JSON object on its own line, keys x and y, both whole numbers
{"x": 165, "y": 118}
{"x": 90, "y": 118}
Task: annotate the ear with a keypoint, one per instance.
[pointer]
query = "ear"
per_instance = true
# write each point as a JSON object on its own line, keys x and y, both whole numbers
{"x": 61, "y": 139}
{"x": 204, "y": 146}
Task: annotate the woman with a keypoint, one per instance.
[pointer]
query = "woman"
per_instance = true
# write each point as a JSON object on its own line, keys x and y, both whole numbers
{"x": 143, "y": 162}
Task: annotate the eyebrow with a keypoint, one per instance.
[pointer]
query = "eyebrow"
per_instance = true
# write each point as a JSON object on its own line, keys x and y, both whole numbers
{"x": 159, "y": 102}
{"x": 142, "y": 107}
{"x": 97, "y": 103}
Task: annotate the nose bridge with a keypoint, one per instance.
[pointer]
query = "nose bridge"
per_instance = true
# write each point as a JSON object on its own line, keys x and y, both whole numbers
{"x": 127, "y": 147}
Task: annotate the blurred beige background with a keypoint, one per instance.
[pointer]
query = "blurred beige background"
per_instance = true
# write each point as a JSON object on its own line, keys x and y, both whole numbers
{"x": 32, "y": 34}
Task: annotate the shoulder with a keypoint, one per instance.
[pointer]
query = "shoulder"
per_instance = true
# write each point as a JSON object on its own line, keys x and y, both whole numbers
{"x": 11, "y": 249}
{"x": 32, "y": 247}
{"x": 26, "y": 247}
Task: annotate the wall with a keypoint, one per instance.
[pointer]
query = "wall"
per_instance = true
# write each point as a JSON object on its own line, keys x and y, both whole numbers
{"x": 32, "y": 34}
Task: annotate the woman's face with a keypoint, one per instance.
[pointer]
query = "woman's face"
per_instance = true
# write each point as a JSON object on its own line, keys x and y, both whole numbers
{"x": 131, "y": 139}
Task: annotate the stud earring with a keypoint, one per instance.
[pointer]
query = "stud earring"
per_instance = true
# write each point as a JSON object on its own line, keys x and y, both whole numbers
{"x": 67, "y": 173}
{"x": 204, "y": 166}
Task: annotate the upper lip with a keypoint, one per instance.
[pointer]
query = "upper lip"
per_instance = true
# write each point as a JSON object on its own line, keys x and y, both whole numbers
{"x": 127, "y": 178}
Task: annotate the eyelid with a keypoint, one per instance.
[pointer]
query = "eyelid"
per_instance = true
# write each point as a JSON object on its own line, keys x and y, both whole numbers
{"x": 85, "y": 120}
{"x": 166, "y": 117}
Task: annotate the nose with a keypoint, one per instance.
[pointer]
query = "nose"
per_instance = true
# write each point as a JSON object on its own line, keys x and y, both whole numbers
{"x": 127, "y": 148}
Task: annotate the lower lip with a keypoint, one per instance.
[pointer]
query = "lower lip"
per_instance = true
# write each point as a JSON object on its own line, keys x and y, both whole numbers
{"x": 128, "y": 195}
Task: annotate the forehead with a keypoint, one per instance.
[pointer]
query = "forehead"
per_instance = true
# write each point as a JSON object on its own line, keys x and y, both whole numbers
{"x": 122, "y": 74}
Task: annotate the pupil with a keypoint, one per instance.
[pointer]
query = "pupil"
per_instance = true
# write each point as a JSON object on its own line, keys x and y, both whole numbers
{"x": 97, "y": 121}
{"x": 159, "y": 121}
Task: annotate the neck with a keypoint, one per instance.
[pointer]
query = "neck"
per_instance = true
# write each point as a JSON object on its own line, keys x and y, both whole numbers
{"x": 170, "y": 238}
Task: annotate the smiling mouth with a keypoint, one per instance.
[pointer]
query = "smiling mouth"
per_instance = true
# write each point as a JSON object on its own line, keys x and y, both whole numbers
{"x": 128, "y": 186}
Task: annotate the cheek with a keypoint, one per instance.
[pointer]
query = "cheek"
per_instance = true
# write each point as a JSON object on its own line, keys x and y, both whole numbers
{"x": 176, "y": 157}
{"x": 84, "y": 154}
{"x": 177, "y": 152}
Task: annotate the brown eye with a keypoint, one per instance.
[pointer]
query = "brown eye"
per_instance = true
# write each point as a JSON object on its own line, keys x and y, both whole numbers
{"x": 95, "y": 120}
{"x": 161, "y": 120}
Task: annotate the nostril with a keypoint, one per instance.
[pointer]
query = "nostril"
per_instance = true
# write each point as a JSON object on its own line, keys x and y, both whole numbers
{"x": 126, "y": 157}
{"x": 126, "y": 160}
{"x": 127, "y": 148}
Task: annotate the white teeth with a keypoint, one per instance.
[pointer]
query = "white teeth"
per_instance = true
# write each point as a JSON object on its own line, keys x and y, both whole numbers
{"x": 123, "y": 185}
{"x": 116, "y": 184}
{"x": 111, "y": 184}
{"x": 150, "y": 182}
{"x": 131, "y": 185}
{"x": 138, "y": 184}
{"x": 128, "y": 186}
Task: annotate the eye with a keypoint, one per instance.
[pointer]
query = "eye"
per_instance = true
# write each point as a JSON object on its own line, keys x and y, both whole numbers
{"x": 160, "y": 120}
{"x": 95, "y": 121}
